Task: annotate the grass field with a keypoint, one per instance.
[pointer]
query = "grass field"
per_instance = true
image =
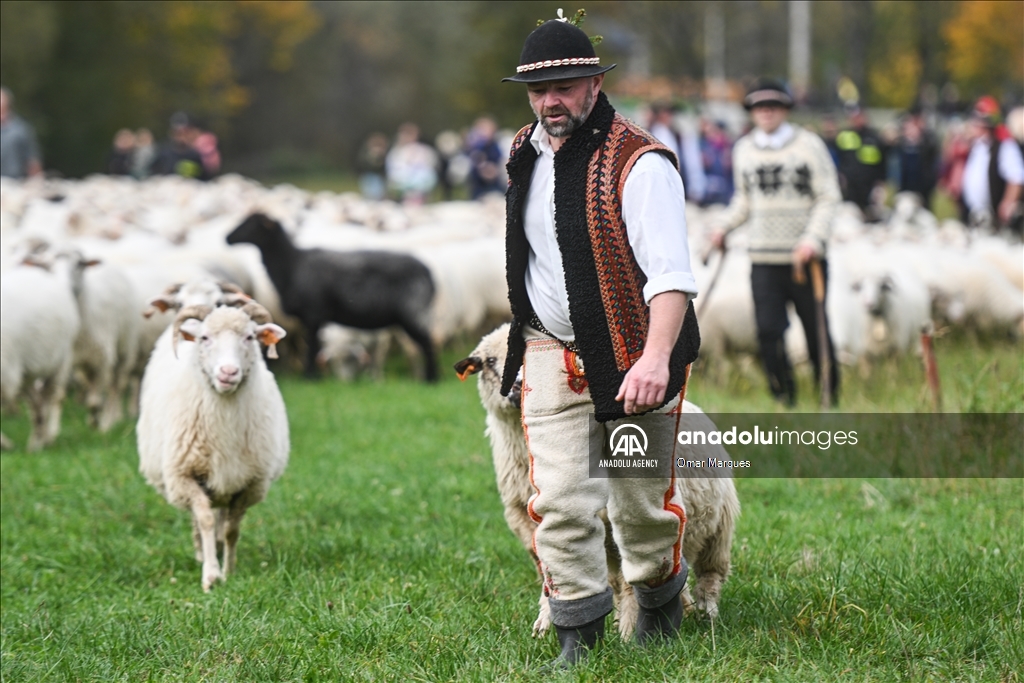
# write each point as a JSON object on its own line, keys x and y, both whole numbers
{"x": 382, "y": 555}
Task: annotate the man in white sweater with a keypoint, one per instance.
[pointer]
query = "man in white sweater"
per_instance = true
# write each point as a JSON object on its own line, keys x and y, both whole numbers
{"x": 786, "y": 187}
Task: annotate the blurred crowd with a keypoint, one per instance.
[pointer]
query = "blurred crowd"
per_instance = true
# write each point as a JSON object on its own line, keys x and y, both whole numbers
{"x": 973, "y": 158}
{"x": 190, "y": 151}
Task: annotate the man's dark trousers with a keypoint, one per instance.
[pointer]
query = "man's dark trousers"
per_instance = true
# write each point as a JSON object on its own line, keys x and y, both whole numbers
{"x": 773, "y": 286}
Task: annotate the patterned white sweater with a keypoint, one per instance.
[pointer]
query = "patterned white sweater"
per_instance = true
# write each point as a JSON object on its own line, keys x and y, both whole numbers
{"x": 788, "y": 194}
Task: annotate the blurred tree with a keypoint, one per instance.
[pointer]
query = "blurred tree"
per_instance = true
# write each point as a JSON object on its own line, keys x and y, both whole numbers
{"x": 27, "y": 34}
{"x": 895, "y": 64}
{"x": 986, "y": 47}
{"x": 115, "y": 64}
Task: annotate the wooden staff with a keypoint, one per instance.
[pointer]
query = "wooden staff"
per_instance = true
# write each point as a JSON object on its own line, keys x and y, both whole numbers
{"x": 818, "y": 285}
{"x": 702, "y": 302}
{"x": 931, "y": 367}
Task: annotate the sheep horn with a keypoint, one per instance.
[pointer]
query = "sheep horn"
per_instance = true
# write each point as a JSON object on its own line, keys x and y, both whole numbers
{"x": 261, "y": 316}
{"x": 198, "y": 311}
{"x": 230, "y": 288}
{"x": 257, "y": 312}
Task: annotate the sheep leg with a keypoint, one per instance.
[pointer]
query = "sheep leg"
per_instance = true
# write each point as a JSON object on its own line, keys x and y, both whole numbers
{"x": 197, "y": 541}
{"x": 626, "y": 608}
{"x": 204, "y": 521}
{"x": 312, "y": 369}
{"x": 241, "y": 502}
{"x": 113, "y": 407}
{"x": 422, "y": 339}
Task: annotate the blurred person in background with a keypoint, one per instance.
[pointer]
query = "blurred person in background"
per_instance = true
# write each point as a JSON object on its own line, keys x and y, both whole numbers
{"x": 178, "y": 156}
{"x": 862, "y": 167}
{"x": 786, "y": 187}
{"x": 411, "y": 166}
{"x": 917, "y": 150}
{"x": 954, "y": 157}
{"x": 449, "y": 145}
{"x": 205, "y": 143}
{"x": 119, "y": 160}
{"x": 686, "y": 148}
{"x": 19, "y": 151}
{"x": 143, "y": 153}
{"x": 994, "y": 172}
{"x": 370, "y": 166}
{"x": 486, "y": 158}
{"x": 829, "y": 132}
{"x": 716, "y": 154}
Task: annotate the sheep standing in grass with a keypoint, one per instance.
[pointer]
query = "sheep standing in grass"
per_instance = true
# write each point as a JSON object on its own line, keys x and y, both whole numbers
{"x": 369, "y": 290}
{"x": 38, "y": 323}
{"x": 711, "y": 503}
{"x": 212, "y": 431}
{"x": 106, "y": 347}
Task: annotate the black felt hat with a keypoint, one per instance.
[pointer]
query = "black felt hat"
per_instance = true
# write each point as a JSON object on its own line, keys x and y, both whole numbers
{"x": 557, "y": 51}
{"x": 767, "y": 91}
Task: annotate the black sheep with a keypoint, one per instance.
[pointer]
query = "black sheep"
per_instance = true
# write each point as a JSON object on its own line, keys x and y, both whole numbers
{"x": 364, "y": 289}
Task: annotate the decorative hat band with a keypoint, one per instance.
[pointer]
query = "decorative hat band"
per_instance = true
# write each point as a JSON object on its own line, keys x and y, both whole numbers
{"x": 569, "y": 61}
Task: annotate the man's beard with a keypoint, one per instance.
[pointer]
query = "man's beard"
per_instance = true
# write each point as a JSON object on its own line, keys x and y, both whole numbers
{"x": 572, "y": 121}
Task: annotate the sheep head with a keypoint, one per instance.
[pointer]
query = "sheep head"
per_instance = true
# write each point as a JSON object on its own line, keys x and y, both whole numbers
{"x": 227, "y": 343}
{"x": 259, "y": 229}
{"x": 198, "y": 292}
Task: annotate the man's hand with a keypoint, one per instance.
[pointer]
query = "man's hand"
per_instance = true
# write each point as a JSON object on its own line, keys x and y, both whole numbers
{"x": 1008, "y": 205}
{"x": 803, "y": 253}
{"x": 717, "y": 239}
{"x": 643, "y": 387}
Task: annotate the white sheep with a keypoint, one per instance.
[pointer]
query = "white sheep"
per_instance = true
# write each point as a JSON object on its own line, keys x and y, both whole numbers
{"x": 212, "y": 431}
{"x": 39, "y": 320}
{"x": 711, "y": 503}
{"x": 106, "y": 346}
{"x": 351, "y": 353}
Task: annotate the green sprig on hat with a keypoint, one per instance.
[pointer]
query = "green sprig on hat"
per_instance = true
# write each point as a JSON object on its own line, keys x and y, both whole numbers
{"x": 577, "y": 21}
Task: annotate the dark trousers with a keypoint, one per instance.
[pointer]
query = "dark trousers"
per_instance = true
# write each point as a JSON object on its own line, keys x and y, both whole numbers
{"x": 773, "y": 287}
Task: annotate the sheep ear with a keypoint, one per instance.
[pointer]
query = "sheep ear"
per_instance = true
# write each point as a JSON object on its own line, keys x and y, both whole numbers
{"x": 269, "y": 335}
{"x": 31, "y": 260}
{"x": 468, "y": 366}
{"x": 159, "y": 303}
{"x": 189, "y": 329}
{"x": 91, "y": 262}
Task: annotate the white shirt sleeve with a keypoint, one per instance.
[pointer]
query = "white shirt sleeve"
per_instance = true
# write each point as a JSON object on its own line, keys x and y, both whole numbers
{"x": 1011, "y": 163}
{"x": 654, "y": 208}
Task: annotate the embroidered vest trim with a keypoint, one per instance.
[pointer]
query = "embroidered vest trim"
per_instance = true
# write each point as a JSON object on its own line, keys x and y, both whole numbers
{"x": 603, "y": 280}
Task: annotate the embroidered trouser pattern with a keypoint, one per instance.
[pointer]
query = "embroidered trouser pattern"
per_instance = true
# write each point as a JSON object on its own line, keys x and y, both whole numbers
{"x": 646, "y": 515}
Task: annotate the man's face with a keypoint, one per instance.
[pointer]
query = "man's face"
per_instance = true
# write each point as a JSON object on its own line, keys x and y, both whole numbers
{"x": 768, "y": 116}
{"x": 563, "y": 106}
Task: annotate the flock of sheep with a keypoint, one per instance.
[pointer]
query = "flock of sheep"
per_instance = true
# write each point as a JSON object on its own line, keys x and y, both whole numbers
{"x": 103, "y": 278}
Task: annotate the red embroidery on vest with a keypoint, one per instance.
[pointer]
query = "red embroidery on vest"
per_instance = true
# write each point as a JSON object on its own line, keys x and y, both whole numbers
{"x": 618, "y": 273}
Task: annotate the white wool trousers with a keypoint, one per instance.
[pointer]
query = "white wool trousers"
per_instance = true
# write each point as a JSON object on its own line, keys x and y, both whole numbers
{"x": 647, "y": 516}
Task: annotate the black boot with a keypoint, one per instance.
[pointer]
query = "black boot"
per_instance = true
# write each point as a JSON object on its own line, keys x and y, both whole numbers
{"x": 577, "y": 642}
{"x": 661, "y": 610}
{"x": 580, "y": 625}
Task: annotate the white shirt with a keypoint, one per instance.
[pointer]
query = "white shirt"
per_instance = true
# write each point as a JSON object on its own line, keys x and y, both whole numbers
{"x": 654, "y": 209}
{"x": 777, "y": 139}
{"x": 975, "y": 187}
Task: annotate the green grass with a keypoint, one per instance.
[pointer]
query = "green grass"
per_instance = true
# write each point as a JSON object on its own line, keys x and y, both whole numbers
{"x": 382, "y": 554}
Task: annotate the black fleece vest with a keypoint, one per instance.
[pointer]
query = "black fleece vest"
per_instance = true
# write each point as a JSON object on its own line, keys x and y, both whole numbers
{"x": 602, "y": 278}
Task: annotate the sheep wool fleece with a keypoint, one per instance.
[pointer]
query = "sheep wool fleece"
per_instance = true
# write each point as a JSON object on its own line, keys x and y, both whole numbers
{"x": 647, "y": 516}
